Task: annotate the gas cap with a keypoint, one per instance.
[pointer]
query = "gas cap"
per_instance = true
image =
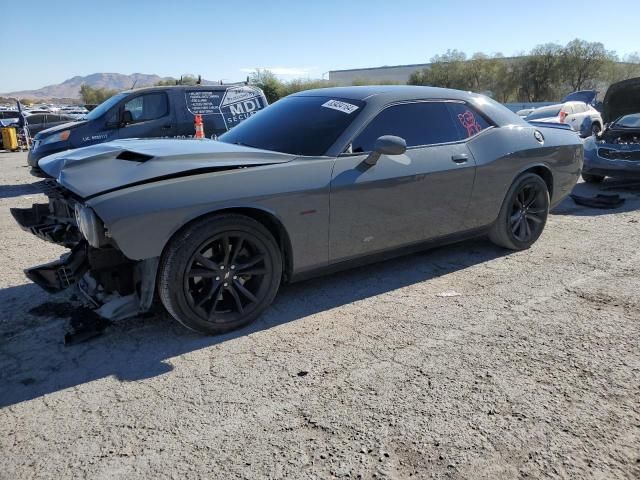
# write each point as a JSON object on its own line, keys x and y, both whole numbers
{"x": 538, "y": 136}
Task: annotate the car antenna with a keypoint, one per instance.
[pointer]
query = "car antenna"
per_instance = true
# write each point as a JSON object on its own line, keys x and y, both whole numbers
{"x": 134, "y": 84}
{"x": 199, "y": 80}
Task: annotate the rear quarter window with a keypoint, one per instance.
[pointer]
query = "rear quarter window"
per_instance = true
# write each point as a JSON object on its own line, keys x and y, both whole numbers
{"x": 467, "y": 119}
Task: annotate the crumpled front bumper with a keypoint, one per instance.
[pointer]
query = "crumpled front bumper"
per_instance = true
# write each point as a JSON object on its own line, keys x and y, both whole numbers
{"x": 62, "y": 273}
{"x": 102, "y": 276}
{"x": 37, "y": 221}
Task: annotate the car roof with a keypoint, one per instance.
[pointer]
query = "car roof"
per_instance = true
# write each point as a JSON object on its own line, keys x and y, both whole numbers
{"x": 183, "y": 87}
{"x": 387, "y": 93}
{"x": 377, "y": 96}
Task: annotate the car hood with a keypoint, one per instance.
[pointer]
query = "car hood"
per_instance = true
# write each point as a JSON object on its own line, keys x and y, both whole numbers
{"x": 622, "y": 98}
{"x": 58, "y": 128}
{"x": 111, "y": 166}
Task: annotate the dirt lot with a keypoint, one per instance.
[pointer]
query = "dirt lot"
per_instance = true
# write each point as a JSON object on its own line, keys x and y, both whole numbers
{"x": 462, "y": 362}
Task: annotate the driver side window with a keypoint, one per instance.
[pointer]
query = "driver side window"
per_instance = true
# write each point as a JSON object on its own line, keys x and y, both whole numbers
{"x": 422, "y": 123}
{"x": 149, "y": 106}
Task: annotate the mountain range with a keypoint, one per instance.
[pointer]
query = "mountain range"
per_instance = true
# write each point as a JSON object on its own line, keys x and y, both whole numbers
{"x": 70, "y": 89}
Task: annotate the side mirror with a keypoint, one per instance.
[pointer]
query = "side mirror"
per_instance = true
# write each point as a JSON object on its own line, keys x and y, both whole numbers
{"x": 386, "y": 145}
{"x": 126, "y": 118}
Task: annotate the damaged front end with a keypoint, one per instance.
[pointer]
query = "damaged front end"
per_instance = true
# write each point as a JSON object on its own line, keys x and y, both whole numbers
{"x": 107, "y": 281}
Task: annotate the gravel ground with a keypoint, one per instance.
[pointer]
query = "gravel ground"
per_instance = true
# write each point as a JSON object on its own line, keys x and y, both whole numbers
{"x": 462, "y": 362}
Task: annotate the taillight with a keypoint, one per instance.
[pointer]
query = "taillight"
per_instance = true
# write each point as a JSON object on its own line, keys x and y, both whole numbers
{"x": 563, "y": 115}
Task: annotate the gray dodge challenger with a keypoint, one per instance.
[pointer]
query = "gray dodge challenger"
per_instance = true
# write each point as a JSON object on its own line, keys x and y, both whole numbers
{"x": 319, "y": 181}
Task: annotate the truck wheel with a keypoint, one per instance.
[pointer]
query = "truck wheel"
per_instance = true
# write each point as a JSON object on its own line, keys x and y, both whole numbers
{"x": 523, "y": 214}
{"x": 592, "y": 178}
{"x": 219, "y": 273}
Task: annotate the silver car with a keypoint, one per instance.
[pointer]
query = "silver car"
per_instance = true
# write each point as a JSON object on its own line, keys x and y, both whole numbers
{"x": 319, "y": 181}
{"x": 581, "y": 117}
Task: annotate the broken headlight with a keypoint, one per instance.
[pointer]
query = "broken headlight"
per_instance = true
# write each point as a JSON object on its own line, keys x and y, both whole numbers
{"x": 90, "y": 226}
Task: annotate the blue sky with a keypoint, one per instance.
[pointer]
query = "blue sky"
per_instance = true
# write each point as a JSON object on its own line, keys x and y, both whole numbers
{"x": 49, "y": 41}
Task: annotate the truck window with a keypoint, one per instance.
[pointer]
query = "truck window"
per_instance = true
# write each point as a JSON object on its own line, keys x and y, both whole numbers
{"x": 149, "y": 106}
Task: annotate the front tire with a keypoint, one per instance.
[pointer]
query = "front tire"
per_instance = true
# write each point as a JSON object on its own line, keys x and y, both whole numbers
{"x": 523, "y": 214}
{"x": 592, "y": 178}
{"x": 219, "y": 273}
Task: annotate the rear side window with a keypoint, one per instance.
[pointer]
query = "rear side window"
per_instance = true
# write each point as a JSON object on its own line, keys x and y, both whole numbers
{"x": 149, "y": 106}
{"x": 468, "y": 121}
{"x": 423, "y": 123}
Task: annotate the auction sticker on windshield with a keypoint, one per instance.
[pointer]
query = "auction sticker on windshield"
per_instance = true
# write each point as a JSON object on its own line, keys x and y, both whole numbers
{"x": 340, "y": 106}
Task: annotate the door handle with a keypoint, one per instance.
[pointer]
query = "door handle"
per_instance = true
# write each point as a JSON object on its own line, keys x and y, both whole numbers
{"x": 460, "y": 158}
{"x": 166, "y": 127}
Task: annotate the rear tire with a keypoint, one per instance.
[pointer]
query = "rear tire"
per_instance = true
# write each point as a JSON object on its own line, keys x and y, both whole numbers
{"x": 592, "y": 178}
{"x": 219, "y": 273}
{"x": 523, "y": 214}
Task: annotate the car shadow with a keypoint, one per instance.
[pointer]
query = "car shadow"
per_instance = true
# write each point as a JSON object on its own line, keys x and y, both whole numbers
{"x": 627, "y": 189}
{"x": 10, "y": 191}
{"x": 34, "y": 362}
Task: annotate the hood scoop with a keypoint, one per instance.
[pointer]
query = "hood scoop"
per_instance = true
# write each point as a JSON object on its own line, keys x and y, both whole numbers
{"x": 133, "y": 156}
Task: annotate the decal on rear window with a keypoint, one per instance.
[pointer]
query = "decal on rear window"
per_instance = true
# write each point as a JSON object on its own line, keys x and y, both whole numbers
{"x": 340, "y": 106}
{"x": 468, "y": 121}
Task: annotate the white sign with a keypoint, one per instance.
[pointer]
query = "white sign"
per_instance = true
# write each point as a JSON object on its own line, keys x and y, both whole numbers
{"x": 237, "y": 94}
{"x": 340, "y": 106}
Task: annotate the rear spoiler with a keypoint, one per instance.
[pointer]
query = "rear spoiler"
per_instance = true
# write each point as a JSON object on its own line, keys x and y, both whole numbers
{"x": 561, "y": 126}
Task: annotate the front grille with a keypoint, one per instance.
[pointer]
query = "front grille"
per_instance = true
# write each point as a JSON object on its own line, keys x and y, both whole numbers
{"x": 610, "y": 154}
{"x": 53, "y": 189}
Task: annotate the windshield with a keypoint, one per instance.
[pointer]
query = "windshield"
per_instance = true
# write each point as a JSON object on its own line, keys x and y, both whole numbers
{"x": 628, "y": 121}
{"x": 104, "y": 106}
{"x": 297, "y": 125}
{"x": 546, "y": 112}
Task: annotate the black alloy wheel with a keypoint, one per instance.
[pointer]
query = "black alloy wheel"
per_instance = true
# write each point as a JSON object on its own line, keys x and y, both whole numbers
{"x": 226, "y": 276}
{"x": 523, "y": 215}
{"x": 528, "y": 212}
{"x": 219, "y": 273}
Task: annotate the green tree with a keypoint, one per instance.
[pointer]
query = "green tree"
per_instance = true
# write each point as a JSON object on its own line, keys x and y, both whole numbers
{"x": 298, "y": 85}
{"x": 583, "y": 63}
{"x": 447, "y": 71}
{"x": 186, "y": 79}
{"x": 94, "y": 96}
{"x": 267, "y": 81}
{"x": 628, "y": 68}
{"x": 539, "y": 73}
{"x": 366, "y": 81}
